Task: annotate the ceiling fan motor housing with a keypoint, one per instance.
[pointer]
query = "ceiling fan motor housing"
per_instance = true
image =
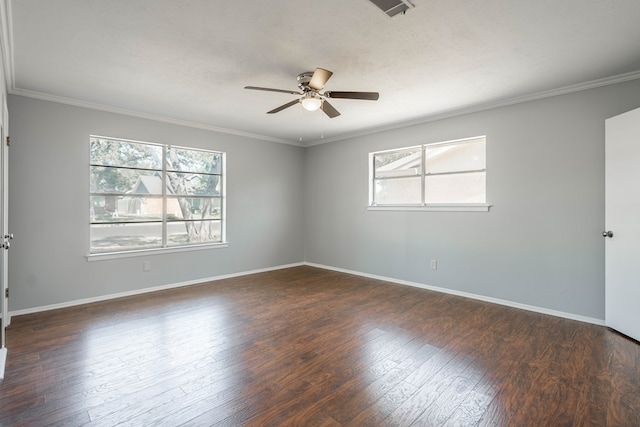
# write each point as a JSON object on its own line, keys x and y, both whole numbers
{"x": 304, "y": 79}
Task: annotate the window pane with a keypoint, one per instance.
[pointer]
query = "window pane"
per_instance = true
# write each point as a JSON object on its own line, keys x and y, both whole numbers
{"x": 456, "y": 188}
{"x": 193, "y": 184}
{"x": 125, "y": 237}
{"x": 180, "y": 208}
{"x": 193, "y": 232}
{"x": 185, "y": 160}
{"x": 108, "y": 152}
{"x": 398, "y": 163}
{"x": 462, "y": 156}
{"x": 118, "y": 180}
{"x": 110, "y": 209}
{"x": 145, "y": 195}
{"x": 397, "y": 191}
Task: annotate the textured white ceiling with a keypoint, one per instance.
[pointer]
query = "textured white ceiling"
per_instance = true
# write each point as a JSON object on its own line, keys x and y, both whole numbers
{"x": 189, "y": 60}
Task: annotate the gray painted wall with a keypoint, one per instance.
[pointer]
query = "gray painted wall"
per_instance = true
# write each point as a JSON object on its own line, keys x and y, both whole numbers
{"x": 49, "y": 215}
{"x": 540, "y": 244}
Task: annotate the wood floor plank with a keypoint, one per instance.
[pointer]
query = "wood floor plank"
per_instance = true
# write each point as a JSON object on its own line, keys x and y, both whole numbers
{"x": 310, "y": 347}
{"x": 114, "y": 412}
{"x": 378, "y": 414}
{"x": 624, "y": 405}
{"x": 470, "y": 410}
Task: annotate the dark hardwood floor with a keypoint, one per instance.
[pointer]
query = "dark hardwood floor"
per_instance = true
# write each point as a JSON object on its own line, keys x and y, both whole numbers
{"x": 310, "y": 347}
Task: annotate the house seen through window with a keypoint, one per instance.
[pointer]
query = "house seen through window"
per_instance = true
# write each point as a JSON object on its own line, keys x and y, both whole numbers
{"x": 452, "y": 172}
{"x": 149, "y": 196}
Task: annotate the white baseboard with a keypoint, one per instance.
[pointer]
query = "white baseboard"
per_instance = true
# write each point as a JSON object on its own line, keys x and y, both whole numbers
{"x": 3, "y": 359}
{"x": 146, "y": 290}
{"x": 507, "y": 303}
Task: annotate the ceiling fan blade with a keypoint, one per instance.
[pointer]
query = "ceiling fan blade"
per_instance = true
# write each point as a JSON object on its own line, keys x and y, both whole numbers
{"x": 319, "y": 78}
{"x": 282, "y": 107}
{"x": 328, "y": 109}
{"x": 370, "y": 96}
{"x": 268, "y": 89}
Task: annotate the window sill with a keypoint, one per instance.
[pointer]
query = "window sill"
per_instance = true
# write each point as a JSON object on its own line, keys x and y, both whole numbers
{"x": 156, "y": 251}
{"x": 458, "y": 207}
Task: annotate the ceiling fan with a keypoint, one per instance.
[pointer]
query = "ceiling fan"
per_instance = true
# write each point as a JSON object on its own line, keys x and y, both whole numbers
{"x": 310, "y": 84}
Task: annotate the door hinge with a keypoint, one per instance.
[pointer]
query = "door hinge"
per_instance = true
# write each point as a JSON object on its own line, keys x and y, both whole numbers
{"x": 8, "y": 141}
{"x": 6, "y": 293}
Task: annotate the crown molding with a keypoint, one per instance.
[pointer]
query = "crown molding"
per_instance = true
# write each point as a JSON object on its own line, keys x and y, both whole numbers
{"x": 154, "y": 117}
{"x": 620, "y": 78}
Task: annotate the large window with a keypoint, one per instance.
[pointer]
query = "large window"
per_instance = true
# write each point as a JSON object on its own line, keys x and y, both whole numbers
{"x": 149, "y": 196}
{"x": 446, "y": 173}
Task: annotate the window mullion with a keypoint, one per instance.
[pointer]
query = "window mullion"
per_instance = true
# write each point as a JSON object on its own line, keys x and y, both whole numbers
{"x": 460, "y": 172}
{"x": 164, "y": 197}
{"x": 373, "y": 179}
{"x": 423, "y": 183}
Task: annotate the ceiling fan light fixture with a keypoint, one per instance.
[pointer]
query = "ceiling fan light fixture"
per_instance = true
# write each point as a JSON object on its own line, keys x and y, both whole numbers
{"x": 311, "y": 101}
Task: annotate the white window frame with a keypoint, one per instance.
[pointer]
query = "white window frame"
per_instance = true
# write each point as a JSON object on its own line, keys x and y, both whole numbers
{"x": 165, "y": 247}
{"x": 423, "y": 205}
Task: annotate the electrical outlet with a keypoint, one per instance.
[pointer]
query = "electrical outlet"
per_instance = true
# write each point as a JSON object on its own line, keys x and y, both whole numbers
{"x": 434, "y": 264}
{"x": 146, "y": 265}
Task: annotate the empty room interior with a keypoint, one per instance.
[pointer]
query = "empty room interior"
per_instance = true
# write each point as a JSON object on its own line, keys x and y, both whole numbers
{"x": 305, "y": 213}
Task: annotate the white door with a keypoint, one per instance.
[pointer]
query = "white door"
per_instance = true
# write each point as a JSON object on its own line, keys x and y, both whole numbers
{"x": 622, "y": 218}
{"x": 4, "y": 237}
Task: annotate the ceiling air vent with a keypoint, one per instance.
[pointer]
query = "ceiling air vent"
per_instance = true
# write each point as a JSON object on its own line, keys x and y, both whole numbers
{"x": 393, "y": 7}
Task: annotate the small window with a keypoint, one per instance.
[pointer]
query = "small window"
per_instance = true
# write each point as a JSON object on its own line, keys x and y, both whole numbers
{"x": 151, "y": 196}
{"x": 446, "y": 173}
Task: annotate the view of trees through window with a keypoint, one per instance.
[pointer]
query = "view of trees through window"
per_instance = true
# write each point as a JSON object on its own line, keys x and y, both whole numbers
{"x": 145, "y": 195}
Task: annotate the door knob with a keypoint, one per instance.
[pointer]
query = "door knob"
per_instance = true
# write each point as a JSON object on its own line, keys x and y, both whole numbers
{"x": 607, "y": 234}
